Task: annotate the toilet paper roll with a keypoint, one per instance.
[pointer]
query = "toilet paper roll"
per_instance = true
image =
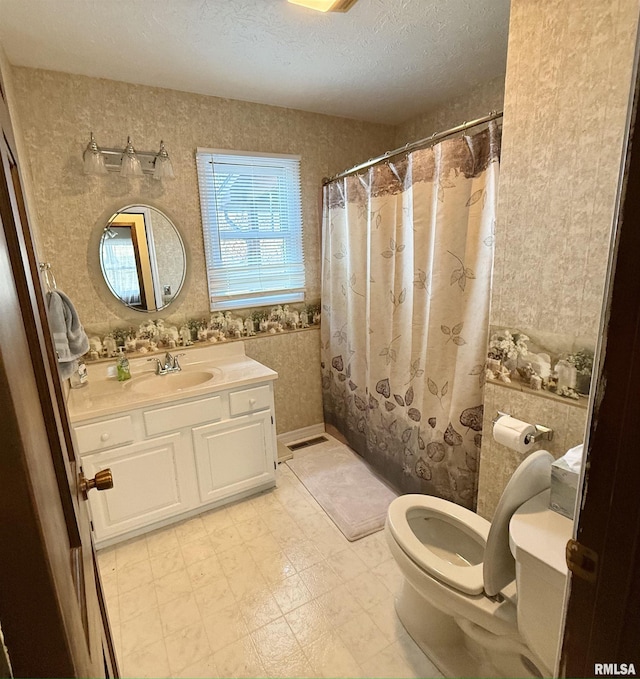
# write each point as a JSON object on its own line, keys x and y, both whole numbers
{"x": 512, "y": 433}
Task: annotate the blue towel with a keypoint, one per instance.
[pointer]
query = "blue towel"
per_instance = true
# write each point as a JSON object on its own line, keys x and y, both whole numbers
{"x": 69, "y": 338}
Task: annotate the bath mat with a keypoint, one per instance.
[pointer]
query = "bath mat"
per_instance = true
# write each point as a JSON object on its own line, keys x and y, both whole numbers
{"x": 342, "y": 484}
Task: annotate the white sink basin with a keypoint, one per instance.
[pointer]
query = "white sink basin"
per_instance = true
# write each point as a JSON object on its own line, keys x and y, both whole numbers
{"x": 173, "y": 382}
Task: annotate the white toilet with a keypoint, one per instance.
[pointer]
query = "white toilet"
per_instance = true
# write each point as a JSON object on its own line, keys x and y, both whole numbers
{"x": 459, "y": 598}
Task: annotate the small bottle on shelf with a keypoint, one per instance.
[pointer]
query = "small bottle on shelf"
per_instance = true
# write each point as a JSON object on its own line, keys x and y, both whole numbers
{"x": 122, "y": 366}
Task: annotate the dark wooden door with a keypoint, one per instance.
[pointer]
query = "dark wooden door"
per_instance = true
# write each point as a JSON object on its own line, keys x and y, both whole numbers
{"x": 51, "y": 607}
{"x": 602, "y": 630}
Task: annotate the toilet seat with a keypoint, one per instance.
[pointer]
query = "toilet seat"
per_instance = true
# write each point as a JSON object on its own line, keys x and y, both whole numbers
{"x": 497, "y": 567}
{"x": 466, "y": 579}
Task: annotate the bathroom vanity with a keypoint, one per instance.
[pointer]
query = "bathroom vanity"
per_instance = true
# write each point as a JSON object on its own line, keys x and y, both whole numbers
{"x": 176, "y": 444}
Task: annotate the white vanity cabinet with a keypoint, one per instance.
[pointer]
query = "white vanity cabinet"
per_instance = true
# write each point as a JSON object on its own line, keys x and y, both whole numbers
{"x": 174, "y": 459}
{"x": 151, "y": 483}
{"x": 233, "y": 456}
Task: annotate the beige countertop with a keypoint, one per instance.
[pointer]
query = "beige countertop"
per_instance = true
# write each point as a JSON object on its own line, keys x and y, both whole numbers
{"x": 228, "y": 366}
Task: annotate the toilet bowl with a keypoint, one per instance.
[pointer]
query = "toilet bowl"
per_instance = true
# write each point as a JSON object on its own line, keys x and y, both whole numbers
{"x": 459, "y": 599}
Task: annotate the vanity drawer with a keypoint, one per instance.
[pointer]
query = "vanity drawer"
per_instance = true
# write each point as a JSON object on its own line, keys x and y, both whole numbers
{"x": 248, "y": 400}
{"x": 175, "y": 417}
{"x": 101, "y": 435}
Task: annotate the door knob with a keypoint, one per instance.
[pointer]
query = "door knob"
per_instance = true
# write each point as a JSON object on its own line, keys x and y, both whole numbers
{"x": 103, "y": 480}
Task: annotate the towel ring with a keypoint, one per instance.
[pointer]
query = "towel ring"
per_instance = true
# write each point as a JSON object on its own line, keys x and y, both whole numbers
{"x": 49, "y": 277}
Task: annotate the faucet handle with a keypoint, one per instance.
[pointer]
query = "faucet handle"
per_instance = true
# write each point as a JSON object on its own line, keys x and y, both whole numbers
{"x": 176, "y": 365}
{"x": 159, "y": 366}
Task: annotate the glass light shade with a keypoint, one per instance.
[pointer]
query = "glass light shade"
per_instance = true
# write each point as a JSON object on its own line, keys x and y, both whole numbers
{"x": 162, "y": 167}
{"x": 92, "y": 158}
{"x": 130, "y": 166}
{"x": 325, "y": 5}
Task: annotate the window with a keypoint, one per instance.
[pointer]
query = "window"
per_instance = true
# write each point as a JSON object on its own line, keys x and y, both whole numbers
{"x": 252, "y": 223}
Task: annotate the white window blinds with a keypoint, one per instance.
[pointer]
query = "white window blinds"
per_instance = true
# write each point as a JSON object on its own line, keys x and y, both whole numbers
{"x": 252, "y": 223}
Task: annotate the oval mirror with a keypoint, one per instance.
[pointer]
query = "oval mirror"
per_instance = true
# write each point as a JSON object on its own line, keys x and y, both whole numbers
{"x": 142, "y": 258}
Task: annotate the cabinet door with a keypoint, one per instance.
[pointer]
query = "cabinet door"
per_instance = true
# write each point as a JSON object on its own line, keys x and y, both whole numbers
{"x": 148, "y": 486}
{"x": 234, "y": 456}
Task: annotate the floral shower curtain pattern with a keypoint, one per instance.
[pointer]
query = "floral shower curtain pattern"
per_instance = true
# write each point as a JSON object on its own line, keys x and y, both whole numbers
{"x": 407, "y": 260}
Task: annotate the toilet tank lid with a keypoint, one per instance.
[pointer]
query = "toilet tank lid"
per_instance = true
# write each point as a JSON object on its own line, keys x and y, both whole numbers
{"x": 530, "y": 478}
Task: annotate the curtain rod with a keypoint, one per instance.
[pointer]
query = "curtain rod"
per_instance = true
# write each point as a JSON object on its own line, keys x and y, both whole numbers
{"x": 421, "y": 143}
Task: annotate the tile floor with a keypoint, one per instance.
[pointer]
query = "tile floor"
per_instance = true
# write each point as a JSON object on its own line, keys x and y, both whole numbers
{"x": 267, "y": 587}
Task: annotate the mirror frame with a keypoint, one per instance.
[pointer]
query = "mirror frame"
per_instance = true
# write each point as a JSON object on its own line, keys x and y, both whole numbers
{"x": 96, "y": 271}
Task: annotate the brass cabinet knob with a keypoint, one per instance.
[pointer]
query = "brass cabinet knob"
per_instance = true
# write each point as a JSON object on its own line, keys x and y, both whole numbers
{"x": 103, "y": 480}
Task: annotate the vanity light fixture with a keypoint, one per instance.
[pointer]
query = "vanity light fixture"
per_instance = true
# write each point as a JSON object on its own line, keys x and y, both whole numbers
{"x": 93, "y": 159}
{"x": 162, "y": 167}
{"x": 127, "y": 162}
{"x": 130, "y": 164}
{"x": 326, "y": 5}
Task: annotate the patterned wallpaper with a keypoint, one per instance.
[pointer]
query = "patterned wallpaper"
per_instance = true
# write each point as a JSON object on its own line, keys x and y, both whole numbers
{"x": 479, "y": 101}
{"x": 569, "y": 70}
{"x": 58, "y": 110}
{"x": 568, "y": 76}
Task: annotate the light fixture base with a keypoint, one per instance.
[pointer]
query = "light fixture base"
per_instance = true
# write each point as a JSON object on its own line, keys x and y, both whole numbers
{"x": 113, "y": 160}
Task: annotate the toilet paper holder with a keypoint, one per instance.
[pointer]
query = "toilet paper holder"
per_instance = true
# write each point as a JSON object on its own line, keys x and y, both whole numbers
{"x": 542, "y": 433}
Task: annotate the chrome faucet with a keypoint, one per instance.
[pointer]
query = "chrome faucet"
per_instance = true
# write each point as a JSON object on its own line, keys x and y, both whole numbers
{"x": 170, "y": 365}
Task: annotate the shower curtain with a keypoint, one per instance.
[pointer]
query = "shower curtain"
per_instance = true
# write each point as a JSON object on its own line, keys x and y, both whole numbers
{"x": 407, "y": 262}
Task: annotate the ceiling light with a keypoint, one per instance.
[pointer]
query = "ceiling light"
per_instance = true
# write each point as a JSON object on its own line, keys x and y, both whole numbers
{"x": 326, "y": 5}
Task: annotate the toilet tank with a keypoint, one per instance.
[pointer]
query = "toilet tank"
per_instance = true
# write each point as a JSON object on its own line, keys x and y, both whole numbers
{"x": 538, "y": 537}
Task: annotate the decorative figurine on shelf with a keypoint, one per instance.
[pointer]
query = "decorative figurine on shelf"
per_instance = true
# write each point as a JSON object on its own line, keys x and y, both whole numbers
{"x": 292, "y": 319}
{"x": 170, "y": 333}
{"x": 582, "y": 361}
{"x": 277, "y": 314}
{"x": 526, "y": 372}
{"x": 229, "y": 324}
{"x": 508, "y": 348}
{"x": 504, "y": 374}
{"x": 156, "y": 335}
{"x": 566, "y": 374}
{"x": 147, "y": 330}
{"x": 110, "y": 347}
{"x": 217, "y": 322}
{"x": 130, "y": 344}
{"x": 185, "y": 336}
{"x": 95, "y": 344}
{"x": 535, "y": 382}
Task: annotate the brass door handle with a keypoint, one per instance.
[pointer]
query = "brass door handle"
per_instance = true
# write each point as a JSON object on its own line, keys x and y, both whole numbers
{"x": 103, "y": 480}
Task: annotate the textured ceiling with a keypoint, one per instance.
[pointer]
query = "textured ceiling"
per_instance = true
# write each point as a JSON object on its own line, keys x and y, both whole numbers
{"x": 383, "y": 61}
